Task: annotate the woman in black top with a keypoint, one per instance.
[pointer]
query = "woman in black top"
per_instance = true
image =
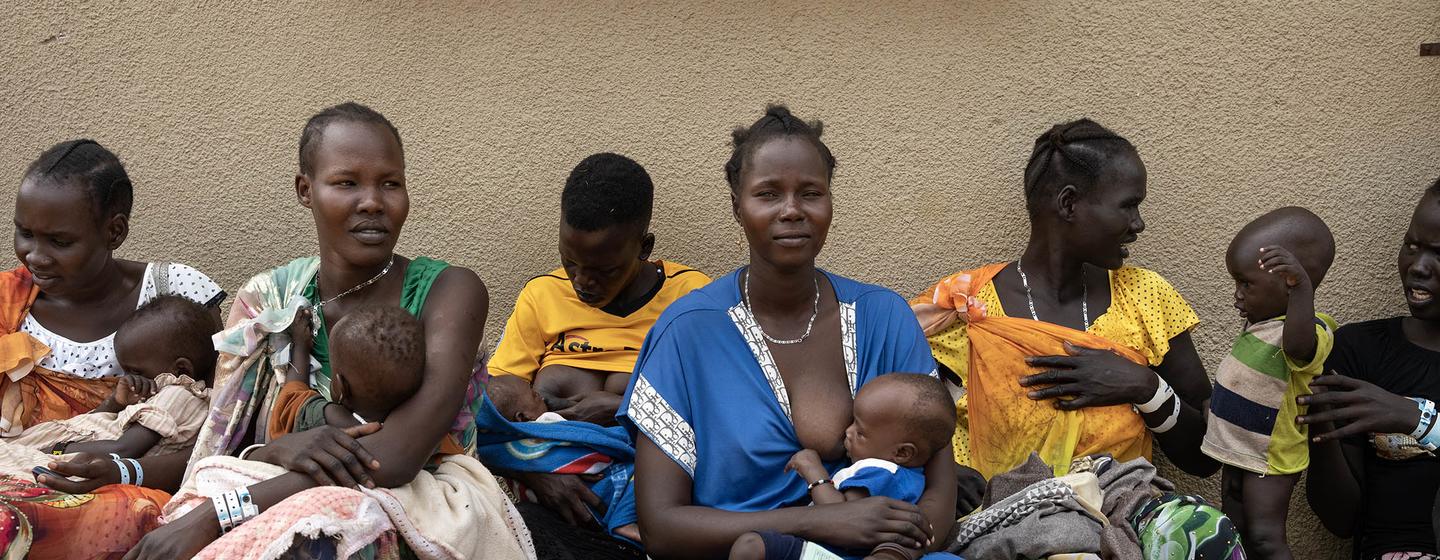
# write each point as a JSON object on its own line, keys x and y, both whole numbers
{"x": 1361, "y": 483}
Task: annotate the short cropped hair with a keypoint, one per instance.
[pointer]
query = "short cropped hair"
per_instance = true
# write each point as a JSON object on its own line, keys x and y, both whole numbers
{"x": 390, "y": 343}
{"x": 349, "y": 111}
{"x": 182, "y": 324}
{"x": 606, "y": 190}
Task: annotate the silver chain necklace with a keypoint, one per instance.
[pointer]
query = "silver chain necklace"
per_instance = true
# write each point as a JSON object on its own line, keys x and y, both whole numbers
{"x": 319, "y": 320}
{"x": 813, "y": 313}
{"x": 1084, "y": 296}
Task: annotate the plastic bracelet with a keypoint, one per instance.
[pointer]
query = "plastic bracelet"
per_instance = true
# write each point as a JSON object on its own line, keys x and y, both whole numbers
{"x": 1170, "y": 421}
{"x": 139, "y": 471}
{"x": 1431, "y": 440}
{"x": 1427, "y": 417}
{"x": 222, "y": 512}
{"x": 1163, "y": 392}
{"x": 820, "y": 482}
{"x": 237, "y": 514}
{"x": 246, "y": 452}
{"x": 248, "y": 508}
{"x": 120, "y": 464}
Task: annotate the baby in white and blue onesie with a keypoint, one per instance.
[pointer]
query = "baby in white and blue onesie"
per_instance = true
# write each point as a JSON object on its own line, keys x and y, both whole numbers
{"x": 900, "y": 422}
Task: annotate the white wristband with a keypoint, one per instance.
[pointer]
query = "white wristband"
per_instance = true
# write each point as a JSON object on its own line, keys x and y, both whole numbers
{"x": 1163, "y": 392}
{"x": 120, "y": 464}
{"x": 246, "y": 452}
{"x": 1170, "y": 421}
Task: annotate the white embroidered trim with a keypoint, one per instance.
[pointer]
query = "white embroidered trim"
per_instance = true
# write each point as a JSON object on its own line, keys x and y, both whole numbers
{"x": 847, "y": 342}
{"x": 756, "y": 339}
{"x": 657, "y": 419}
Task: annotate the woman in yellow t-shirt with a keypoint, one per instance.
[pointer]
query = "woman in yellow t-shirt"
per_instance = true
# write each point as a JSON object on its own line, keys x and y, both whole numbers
{"x": 1068, "y": 352}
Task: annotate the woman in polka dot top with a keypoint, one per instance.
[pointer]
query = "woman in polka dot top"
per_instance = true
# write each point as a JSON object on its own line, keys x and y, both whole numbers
{"x": 1088, "y": 343}
{"x": 70, "y": 293}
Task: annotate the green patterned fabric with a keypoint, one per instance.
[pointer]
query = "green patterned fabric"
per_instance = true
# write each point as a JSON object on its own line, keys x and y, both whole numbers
{"x": 1183, "y": 527}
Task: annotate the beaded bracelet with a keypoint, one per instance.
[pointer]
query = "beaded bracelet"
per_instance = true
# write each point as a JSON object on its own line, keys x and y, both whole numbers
{"x": 818, "y": 483}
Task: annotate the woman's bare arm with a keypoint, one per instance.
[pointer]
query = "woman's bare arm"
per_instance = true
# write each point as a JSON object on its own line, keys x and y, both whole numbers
{"x": 454, "y": 321}
{"x": 1185, "y": 373}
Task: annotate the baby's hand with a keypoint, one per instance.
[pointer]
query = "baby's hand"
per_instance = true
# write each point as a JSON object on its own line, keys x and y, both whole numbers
{"x": 1279, "y": 260}
{"x": 805, "y": 462}
{"x": 131, "y": 389}
{"x": 300, "y": 330}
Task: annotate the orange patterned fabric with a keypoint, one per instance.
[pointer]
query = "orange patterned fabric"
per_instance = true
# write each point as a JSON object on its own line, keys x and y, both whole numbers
{"x": 101, "y": 525}
{"x": 1004, "y": 424}
{"x": 30, "y": 394}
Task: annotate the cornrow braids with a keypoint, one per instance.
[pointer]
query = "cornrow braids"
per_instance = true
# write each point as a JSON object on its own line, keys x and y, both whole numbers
{"x": 97, "y": 169}
{"x": 1073, "y": 153}
{"x": 776, "y": 123}
{"x": 349, "y": 111}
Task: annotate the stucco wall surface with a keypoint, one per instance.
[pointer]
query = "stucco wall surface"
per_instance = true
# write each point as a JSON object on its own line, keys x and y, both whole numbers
{"x": 1236, "y": 106}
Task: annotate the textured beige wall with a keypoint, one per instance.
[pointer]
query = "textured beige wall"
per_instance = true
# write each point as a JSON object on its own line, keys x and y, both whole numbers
{"x": 1236, "y": 106}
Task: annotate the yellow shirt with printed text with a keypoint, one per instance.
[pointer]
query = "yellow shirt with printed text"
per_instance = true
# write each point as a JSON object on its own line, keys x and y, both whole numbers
{"x": 551, "y": 326}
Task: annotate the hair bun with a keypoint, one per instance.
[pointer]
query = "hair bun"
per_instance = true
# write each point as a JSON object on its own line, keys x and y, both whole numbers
{"x": 777, "y": 111}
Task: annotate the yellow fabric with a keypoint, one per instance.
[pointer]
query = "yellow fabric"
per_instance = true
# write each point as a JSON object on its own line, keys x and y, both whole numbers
{"x": 1289, "y": 451}
{"x": 1145, "y": 314}
{"x": 551, "y": 326}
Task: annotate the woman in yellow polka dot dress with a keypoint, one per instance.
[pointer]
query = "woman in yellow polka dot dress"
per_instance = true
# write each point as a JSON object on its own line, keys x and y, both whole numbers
{"x": 1068, "y": 352}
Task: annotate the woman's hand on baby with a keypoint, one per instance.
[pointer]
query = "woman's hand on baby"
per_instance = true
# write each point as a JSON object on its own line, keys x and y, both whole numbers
{"x": 566, "y": 495}
{"x": 866, "y": 523}
{"x": 132, "y": 389}
{"x": 330, "y": 456}
{"x": 1087, "y": 377}
{"x": 94, "y": 470}
{"x": 596, "y": 407}
{"x": 1357, "y": 407}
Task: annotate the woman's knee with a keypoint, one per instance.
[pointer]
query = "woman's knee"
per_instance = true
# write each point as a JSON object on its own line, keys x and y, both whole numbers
{"x": 750, "y": 546}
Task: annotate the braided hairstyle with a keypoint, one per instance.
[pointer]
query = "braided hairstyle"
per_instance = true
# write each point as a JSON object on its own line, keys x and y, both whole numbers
{"x": 349, "y": 111}
{"x": 1073, "y": 153}
{"x": 777, "y": 123}
{"x": 95, "y": 168}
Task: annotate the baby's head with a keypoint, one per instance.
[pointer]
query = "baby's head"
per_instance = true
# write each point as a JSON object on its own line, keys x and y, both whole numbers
{"x": 1261, "y": 295}
{"x": 903, "y": 418}
{"x": 377, "y": 360}
{"x": 169, "y": 334}
{"x": 516, "y": 400}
